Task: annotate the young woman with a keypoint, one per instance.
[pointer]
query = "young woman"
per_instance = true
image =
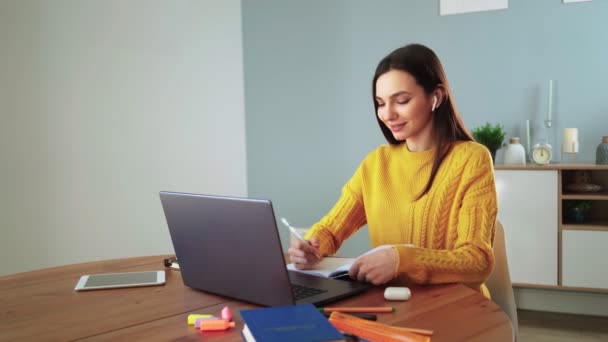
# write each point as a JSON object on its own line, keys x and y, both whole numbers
{"x": 429, "y": 194}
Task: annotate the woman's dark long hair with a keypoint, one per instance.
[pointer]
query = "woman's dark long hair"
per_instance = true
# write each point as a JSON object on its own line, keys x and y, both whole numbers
{"x": 448, "y": 127}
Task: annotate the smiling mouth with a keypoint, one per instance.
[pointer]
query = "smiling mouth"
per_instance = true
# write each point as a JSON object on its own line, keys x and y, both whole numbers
{"x": 397, "y": 128}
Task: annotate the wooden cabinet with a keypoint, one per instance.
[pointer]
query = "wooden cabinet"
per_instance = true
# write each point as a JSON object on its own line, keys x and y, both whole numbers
{"x": 549, "y": 244}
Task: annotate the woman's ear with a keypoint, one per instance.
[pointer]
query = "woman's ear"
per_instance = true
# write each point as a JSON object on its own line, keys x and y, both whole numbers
{"x": 438, "y": 97}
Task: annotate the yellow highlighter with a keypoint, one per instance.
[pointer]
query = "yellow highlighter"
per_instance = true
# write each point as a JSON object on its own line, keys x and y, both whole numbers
{"x": 192, "y": 318}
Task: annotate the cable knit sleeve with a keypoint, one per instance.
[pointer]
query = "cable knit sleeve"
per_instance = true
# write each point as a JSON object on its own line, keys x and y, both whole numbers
{"x": 343, "y": 220}
{"x": 470, "y": 259}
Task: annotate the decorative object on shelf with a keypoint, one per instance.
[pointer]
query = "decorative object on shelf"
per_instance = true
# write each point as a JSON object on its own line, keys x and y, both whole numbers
{"x": 491, "y": 136}
{"x": 584, "y": 187}
{"x": 515, "y": 153}
{"x": 601, "y": 154}
{"x": 578, "y": 211}
{"x": 548, "y": 122}
{"x": 542, "y": 153}
{"x": 581, "y": 181}
{"x": 570, "y": 143}
{"x": 528, "y": 142}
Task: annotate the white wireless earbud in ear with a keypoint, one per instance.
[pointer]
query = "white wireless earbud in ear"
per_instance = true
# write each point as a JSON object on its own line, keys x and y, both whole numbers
{"x": 434, "y": 103}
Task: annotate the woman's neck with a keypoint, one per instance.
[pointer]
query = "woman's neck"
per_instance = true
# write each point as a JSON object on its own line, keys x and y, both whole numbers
{"x": 423, "y": 141}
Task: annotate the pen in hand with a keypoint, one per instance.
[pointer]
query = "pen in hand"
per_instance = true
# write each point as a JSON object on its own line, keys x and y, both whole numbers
{"x": 296, "y": 234}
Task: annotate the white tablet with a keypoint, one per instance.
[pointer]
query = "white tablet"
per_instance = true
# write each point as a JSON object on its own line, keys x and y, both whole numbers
{"x": 115, "y": 280}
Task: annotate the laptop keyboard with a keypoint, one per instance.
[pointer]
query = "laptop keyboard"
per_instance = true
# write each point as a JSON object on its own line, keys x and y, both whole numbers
{"x": 301, "y": 292}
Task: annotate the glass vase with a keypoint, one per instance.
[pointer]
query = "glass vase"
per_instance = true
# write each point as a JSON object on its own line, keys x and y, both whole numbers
{"x": 601, "y": 154}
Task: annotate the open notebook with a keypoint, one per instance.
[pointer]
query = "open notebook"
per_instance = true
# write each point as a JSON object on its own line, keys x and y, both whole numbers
{"x": 334, "y": 267}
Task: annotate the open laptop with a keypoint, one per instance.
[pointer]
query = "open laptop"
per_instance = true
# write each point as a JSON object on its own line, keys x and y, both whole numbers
{"x": 231, "y": 247}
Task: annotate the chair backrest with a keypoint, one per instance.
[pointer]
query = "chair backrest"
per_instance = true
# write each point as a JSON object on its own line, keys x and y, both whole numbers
{"x": 499, "y": 282}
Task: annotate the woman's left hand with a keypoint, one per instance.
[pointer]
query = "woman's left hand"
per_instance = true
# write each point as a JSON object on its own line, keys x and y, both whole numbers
{"x": 377, "y": 268}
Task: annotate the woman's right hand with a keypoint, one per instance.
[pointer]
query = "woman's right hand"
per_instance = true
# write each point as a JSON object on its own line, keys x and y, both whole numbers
{"x": 304, "y": 255}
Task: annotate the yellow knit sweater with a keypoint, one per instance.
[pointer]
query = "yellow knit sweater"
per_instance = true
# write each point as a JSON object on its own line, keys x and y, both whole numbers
{"x": 451, "y": 227}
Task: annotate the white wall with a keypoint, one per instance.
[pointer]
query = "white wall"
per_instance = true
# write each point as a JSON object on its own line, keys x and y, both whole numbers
{"x": 103, "y": 104}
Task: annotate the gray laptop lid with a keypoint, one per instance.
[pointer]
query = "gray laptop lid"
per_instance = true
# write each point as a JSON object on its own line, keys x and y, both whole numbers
{"x": 231, "y": 247}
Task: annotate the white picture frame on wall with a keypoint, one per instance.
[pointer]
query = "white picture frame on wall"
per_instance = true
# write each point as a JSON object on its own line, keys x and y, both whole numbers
{"x": 449, "y": 7}
{"x": 572, "y": 1}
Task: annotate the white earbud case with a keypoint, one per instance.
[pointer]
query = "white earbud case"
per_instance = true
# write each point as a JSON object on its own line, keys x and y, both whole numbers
{"x": 397, "y": 293}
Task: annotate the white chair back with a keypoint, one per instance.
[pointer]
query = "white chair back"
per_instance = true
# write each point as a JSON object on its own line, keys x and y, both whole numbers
{"x": 499, "y": 282}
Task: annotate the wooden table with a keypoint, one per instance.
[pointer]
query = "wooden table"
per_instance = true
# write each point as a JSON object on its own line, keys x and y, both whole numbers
{"x": 43, "y": 306}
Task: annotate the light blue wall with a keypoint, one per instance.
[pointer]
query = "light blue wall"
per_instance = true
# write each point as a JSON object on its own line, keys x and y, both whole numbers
{"x": 309, "y": 64}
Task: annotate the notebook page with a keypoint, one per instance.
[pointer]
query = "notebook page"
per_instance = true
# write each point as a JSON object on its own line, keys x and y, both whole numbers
{"x": 327, "y": 267}
{"x": 332, "y": 266}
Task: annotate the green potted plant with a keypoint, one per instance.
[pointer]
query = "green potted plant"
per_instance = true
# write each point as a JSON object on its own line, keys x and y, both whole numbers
{"x": 491, "y": 136}
{"x": 579, "y": 210}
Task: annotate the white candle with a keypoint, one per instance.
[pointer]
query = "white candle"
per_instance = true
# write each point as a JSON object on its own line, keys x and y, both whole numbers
{"x": 550, "y": 106}
{"x": 570, "y": 134}
{"x": 570, "y": 144}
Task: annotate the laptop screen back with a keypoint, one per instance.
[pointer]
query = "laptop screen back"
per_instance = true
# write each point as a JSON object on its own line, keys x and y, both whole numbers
{"x": 228, "y": 246}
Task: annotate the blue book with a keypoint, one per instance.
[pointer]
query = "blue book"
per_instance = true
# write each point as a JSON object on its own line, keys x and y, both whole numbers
{"x": 294, "y": 323}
